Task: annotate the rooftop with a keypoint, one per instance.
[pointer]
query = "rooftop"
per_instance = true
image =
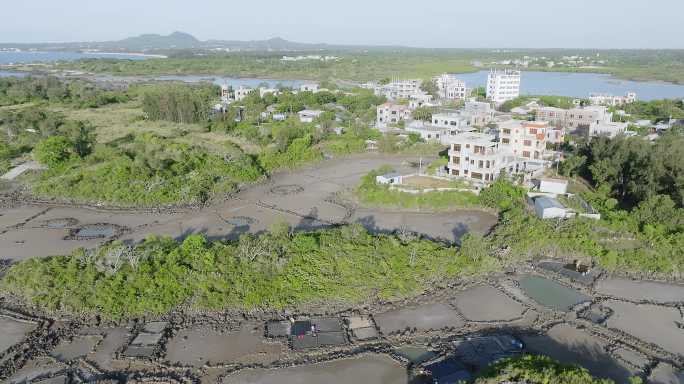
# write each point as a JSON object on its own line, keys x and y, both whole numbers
{"x": 548, "y": 202}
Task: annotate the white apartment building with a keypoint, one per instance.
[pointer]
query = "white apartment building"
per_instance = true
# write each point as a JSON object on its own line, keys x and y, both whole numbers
{"x": 399, "y": 89}
{"x": 609, "y": 129}
{"x": 478, "y": 113}
{"x": 428, "y": 132}
{"x": 454, "y": 122}
{"x": 526, "y": 139}
{"x": 610, "y": 100}
{"x": 450, "y": 87}
{"x": 242, "y": 92}
{"x": 591, "y": 121}
{"x": 420, "y": 99}
{"x": 477, "y": 157}
{"x": 391, "y": 113}
{"x": 503, "y": 85}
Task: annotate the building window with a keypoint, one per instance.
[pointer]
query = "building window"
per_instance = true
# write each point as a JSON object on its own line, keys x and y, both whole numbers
{"x": 476, "y": 175}
{"x": 527, "y": 143}
{"x": 506, "y": 131}
{"x": 526, "y": 154}
{"x": 505, "y": 141}
{"x": 533, "y": 131}
{"x": 480, "y": 164}
{"x": 457, "y": 147}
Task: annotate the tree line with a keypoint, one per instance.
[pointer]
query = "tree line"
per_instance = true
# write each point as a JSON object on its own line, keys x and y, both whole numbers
{"x": 50, "y": 89}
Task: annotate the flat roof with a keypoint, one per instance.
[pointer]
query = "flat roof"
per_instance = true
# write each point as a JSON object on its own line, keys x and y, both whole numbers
{"x": 548, "y": 202}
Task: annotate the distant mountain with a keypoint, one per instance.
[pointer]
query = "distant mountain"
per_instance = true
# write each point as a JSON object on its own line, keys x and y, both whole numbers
{"x": 183, "y": 41}
{"x": 176, "y": 40}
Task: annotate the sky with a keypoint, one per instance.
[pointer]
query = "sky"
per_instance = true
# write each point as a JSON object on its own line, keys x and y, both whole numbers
{"x": 427, "y": 23}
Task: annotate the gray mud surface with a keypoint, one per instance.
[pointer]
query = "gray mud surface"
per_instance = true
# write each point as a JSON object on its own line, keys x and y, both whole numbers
{"x": 201, "y": 345}
{"x": 367, "y": 369}
{"x": 303, "y": 198}
{"x": 641, "y": 290}
{"x": 486, "y": 303}
{"x": 568, "y": 344}
{"x": 651, "y": 323}
{"x": 425, "y": 317}
{"x": 13, "y": 331}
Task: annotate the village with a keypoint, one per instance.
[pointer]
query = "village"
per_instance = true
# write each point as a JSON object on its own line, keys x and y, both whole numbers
{"x": 480, "y": 140}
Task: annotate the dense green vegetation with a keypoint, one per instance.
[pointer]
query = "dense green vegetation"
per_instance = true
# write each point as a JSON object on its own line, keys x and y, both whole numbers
{"x": 145, "y": 170}
{"x": 352, "y": 66}
{"x": 655, "y": 110}
{"x": 278, "y": 269}
{"x": 665, "y": 65}
{"x": 533, "y": 369}
{"x": 179, "y": 103}
{"x": 81, "y": 94}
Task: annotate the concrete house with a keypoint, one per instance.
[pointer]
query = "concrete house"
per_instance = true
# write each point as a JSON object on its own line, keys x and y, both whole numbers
{"x": 309, "y": 115}
{"x": 391, "y": 113}
{"x": 388, "y": 178}
{"x": 549, "y": 208}
{"x": 556, "y": 186}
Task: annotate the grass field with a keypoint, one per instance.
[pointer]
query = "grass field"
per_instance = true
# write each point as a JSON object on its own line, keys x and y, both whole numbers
{"x": 116, "y": 121}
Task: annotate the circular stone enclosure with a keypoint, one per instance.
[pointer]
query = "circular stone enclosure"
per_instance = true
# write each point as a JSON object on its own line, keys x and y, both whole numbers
{"x": 96, "y": 231}
{"x": 288, "y": 189}
{"x": 61, "y": 223}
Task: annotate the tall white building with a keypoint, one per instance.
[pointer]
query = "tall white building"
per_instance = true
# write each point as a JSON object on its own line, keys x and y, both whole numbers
{"x": 450, "y": 87}
{"x": 477, "y": 157}
{"x": 503, "y": 85}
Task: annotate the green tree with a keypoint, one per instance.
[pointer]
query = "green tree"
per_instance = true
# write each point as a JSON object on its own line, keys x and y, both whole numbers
{"x": 53, "y": 151}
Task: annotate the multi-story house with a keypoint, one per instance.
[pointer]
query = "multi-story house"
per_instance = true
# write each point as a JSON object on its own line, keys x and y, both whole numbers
{"x": 242, "y": 92}
{"x": 399, "y": 89}
{"x": 449, "y": 87}
{"x": 526, "y": 139}
{"x": 610, "y": 100}
{"x": 455, "y": 122}
{"x": 391, "y": 113}
{"x": 503, "y": 85}
{"x": 477, "y": 157}
{"x": 478, "y": 113}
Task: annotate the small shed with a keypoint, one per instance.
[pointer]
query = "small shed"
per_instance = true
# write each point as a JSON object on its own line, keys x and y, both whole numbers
{"x": 549, "y": 208}
{"x": 557, "y": 186}
{"x": 388, "y": 178}
{"x": 309, "y": 115}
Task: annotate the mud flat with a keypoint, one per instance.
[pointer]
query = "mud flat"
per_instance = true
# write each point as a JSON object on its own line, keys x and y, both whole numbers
{"x": 301, "y": 198}
{"x": 80, "y": 346}
{"x": 641, "y": 290}
{"x": 13, "y": 331}
{"x": 651, "y": 323}
{"x": 425, "y": 317}
{"x": 551, "y": 294}
{"x": 368, "y": 369}
{"x": 203, "y": 345}
{"x": 666, "y": 374}
{"x": 571, "y": 345}
{"x": 37, "y": 368}
{"x": 486, "y": 303}
{"x": 104, "y": 353}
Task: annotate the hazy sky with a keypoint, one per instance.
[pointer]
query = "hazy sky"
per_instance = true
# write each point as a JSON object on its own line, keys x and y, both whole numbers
{"x": 427, "y": 23}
